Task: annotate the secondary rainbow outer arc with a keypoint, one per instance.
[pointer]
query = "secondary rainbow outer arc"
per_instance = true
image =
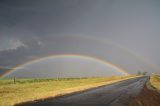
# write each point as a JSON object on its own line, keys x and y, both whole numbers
{"x": 70, "y": 56}
{"x": 108, "y": 41}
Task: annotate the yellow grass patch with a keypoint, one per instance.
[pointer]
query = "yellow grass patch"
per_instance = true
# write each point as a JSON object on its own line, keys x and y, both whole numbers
{"x": 155, "y": 82}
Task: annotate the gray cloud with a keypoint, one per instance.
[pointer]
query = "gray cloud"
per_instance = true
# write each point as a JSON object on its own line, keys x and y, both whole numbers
{"x": 36, "y": 25}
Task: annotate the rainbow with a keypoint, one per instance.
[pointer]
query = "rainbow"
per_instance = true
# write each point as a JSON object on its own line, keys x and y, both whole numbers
{"x": 69, "y": 56}
{"x": 115, "y": 44}
{"x": 94, "y": 39}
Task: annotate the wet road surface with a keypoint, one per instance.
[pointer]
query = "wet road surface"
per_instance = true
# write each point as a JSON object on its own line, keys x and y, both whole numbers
{"x": 117, "y": 94}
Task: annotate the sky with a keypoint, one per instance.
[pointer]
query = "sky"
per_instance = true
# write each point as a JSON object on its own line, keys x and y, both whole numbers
{"x": 123, "y": 32}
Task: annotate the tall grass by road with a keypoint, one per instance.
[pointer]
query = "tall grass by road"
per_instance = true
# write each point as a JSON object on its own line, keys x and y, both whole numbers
{"x": 31, "y": 89}
{"x": 155, "y": 82}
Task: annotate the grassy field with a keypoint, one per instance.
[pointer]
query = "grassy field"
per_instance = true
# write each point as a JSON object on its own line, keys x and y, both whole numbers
{"x": 155, "y": 82}
{"x": 32, "y": 89}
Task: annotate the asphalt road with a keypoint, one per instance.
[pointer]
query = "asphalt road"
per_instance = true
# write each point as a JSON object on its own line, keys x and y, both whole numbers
{"x": 117, "y": 94}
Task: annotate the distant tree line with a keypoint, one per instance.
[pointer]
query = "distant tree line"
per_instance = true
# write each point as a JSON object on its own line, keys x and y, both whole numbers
{"x": 141, "y": 73}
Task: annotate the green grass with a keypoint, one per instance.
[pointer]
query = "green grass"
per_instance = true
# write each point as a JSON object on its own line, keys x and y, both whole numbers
{"x": 32, "y": 89}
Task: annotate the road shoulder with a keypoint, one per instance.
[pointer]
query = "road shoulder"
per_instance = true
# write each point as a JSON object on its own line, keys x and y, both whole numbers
{"x": 149, "y": 96}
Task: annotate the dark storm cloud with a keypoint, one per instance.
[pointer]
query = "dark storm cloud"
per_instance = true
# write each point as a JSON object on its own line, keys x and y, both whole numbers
{"x": 35, "y": 25}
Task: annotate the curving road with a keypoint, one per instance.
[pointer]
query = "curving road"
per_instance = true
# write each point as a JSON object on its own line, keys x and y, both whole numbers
{"x": 117, "y": 94}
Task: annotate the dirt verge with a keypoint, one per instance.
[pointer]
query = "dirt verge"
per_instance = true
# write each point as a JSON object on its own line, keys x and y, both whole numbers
{"x": 147, "y": 97}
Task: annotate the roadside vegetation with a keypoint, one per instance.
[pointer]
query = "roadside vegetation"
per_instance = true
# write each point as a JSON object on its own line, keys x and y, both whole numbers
{"x": 13, "y": 91}
{"x": 155, "y": 82}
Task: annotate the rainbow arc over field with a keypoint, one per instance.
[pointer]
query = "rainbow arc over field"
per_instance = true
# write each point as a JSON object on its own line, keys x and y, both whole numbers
{"x": 69, "y": 56}
{"x": 113, "y": 44}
